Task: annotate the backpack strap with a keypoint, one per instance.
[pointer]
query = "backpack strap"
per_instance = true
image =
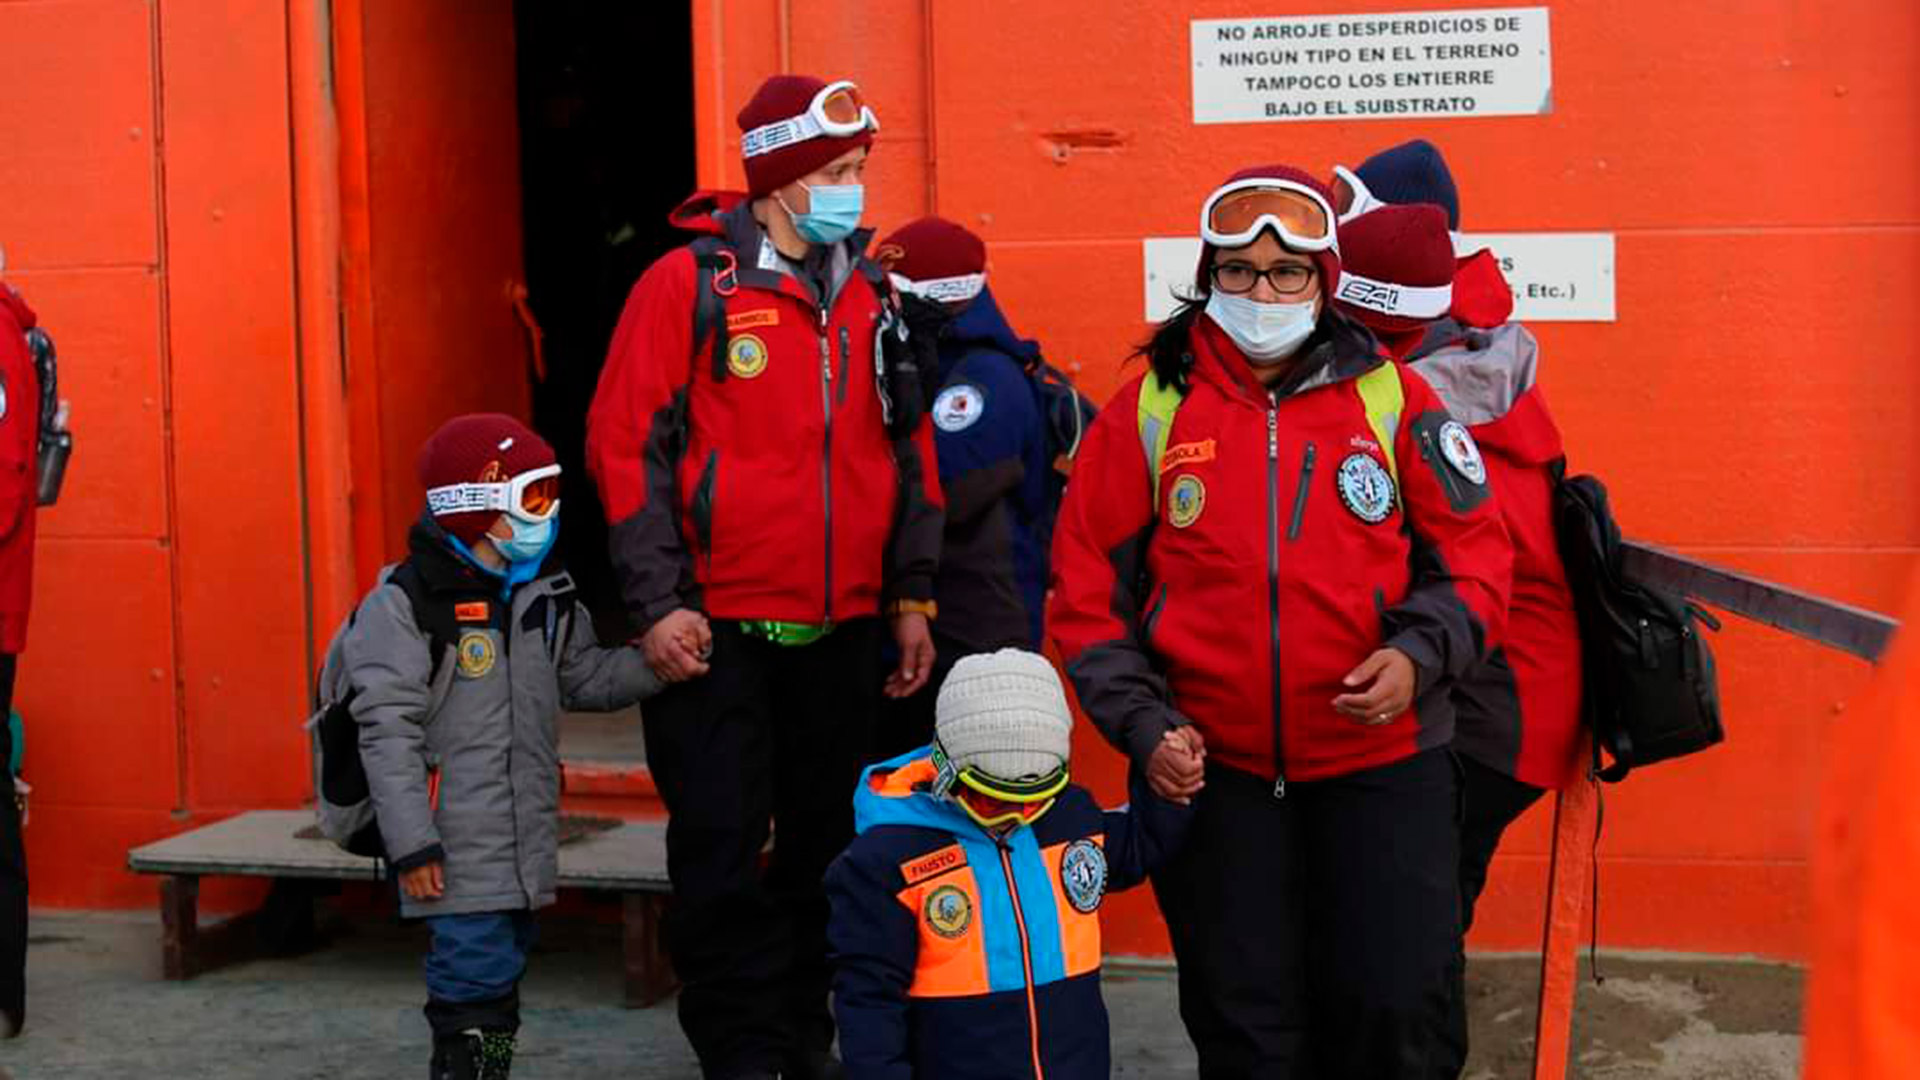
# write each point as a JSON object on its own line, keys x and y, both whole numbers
{"x": 435, "y": 618}
{"x": 715, "y": 270}
{"x": 1159, "y": 402}
{"x": 1385, "y": 399}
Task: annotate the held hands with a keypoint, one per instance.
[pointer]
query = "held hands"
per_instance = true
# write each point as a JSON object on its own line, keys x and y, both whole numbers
{"x": 911, "y": 633}
{"x": 1177, "y": 770}
{"x": 1382, "y": 688}
{"x": 677, "y": 647}
{"x": 427, "y": 882}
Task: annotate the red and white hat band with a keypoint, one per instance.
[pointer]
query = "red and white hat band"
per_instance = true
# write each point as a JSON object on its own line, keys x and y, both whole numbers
{"x": 767, "y": 138}
{"x": 946, "y": 290}
{"x": 1410, "y": 301}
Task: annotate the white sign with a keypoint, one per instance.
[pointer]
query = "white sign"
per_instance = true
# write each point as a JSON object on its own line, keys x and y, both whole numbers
{"x": 1556, "y": 277}
{"x": 1477, "y": 62}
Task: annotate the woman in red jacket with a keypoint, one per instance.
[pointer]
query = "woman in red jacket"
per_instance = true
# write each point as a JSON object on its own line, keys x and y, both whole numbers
{"x": 1276, "y": 554}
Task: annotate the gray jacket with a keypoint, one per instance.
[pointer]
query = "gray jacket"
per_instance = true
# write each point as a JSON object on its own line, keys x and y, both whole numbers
{"x": 492, "y": 744}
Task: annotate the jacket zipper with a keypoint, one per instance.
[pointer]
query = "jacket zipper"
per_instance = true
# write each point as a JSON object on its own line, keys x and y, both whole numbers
{"x": 1300, "y": 496}
{"x": 1026, "y": 961}
{"x": 1273, "y": 585}
{"x": 846, "y": 362}
{"x": 826, "y": 458}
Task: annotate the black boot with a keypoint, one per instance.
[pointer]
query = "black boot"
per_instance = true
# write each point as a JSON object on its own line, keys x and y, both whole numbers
{"x": 473, "y": 1055}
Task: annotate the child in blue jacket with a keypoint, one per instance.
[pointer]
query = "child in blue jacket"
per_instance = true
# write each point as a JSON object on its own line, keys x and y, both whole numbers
{"x": 965, "y": 929}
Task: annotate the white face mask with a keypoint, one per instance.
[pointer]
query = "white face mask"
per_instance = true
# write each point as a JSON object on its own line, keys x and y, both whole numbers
{"x": 1267, "y": 333}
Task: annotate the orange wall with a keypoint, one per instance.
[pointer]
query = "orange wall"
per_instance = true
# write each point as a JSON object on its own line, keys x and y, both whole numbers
{"x": 1758, "y": 164}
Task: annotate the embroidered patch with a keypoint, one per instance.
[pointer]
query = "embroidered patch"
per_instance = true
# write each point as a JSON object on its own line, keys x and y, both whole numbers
{"x": 476, "y": 654}
{"x": 959, "y": 407}
{"x": 1458, "y": 447}
{"x": 932, "y": 865}
{"x": 471, "y": 611}
{"x": 1083, "y": 874}
{"x": 1185, "y": 502}
{"x": 747, "y": 356}
{"x": 747, "y": 320}
{"x": 1186, "y": 453}
{"x": 948, "y": 911}
{"x": 1365, "y": 488}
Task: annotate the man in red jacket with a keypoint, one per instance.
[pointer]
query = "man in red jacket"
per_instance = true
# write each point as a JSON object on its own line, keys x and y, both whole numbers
{"x": 772, "y": 491}
{"x": 19, "y": 441}
{"x": 1518, "y": 729}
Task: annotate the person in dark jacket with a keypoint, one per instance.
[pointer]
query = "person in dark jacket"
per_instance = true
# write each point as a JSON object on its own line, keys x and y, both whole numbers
{"x": 461, "y": 751}
{"x": 19, "y": 441}
{"x": 1518, "y": 724}
{"x": 773, "y": 500}
{"x": 1276, "y": 549}
{"x": 966, "y": 914}
{"x": 996, "y": 469}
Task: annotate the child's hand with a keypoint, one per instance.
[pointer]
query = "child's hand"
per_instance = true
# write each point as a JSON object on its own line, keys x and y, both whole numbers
{"x": 427, "y": 882}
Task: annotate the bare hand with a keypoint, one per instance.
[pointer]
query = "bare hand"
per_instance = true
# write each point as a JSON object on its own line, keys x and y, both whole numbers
{"x": 915, "y": 638}
{"x": 678, "y": 645}
{"x": 1382, "y": 688}
{"x": 427, "y": 882}
{"x": 1177, "y": 770}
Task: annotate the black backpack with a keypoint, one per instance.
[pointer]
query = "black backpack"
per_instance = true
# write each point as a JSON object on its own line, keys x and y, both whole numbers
{"x": 1651, "y": 692}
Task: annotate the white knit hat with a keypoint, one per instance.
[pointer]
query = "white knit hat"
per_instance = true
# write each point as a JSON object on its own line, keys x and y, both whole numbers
{"x": 1004, "y": 714}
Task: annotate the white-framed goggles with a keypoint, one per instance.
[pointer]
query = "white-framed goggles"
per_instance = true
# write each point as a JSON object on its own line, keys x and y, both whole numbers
{"x": 1360, "y": 198}
{"x": 1235, "y": 213}
{"x": 838, "y": 110}
{"x": 533, "y": 495}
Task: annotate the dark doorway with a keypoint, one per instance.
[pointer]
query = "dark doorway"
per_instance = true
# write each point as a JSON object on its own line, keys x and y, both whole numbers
{"x": 607, "y": 149}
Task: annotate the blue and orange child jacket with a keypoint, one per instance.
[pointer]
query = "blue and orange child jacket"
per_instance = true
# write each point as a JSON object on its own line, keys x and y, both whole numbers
{"x": 958, "y": 955}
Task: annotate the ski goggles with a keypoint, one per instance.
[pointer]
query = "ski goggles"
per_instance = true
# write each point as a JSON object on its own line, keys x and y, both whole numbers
{"x": 1359, "y": 198}
{"x": 838, "y": 110}
{"x": 945, "y": 290}
{"x": 1234, "y": 215}
{"x": 991, "y": 801}
{"x": 534, "y": 495}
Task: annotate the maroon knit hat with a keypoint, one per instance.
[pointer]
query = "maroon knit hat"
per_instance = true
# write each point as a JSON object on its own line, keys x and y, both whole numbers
{"x": 940, "y": 259}
{"x": 784, "y": 97}
{"x": 1399, "y": 267}
{"x": 479, "y": 448}
{"x": 1328, "y": 261}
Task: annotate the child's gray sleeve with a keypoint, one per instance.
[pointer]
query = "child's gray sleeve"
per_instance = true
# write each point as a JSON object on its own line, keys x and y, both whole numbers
{"x": 594, "y": 678}
{"x": 388, "y": 663}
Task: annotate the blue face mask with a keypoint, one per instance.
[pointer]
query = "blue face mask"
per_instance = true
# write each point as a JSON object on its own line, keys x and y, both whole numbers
{"x": 835, "y": 213}
{"x": 530, "y": 542}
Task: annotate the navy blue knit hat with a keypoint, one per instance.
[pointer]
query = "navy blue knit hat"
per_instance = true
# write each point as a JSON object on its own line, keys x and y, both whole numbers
{"x": 1413, "y": 172}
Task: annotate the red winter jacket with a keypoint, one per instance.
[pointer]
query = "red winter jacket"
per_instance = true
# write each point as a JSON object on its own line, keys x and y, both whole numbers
{"x": 1278, "y": 560}
{"x": 19, "y": 458}
{"x": 781, "y": 496}
{"x": 1519, "y": 712}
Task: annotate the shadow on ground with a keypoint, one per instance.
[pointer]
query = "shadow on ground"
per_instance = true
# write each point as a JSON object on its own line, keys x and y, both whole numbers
{"x": 350, "y": 1011}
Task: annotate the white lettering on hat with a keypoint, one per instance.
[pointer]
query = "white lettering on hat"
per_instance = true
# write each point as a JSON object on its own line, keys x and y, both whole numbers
{"x": 1412, "y": 301}
{"x": 946, "y": 290}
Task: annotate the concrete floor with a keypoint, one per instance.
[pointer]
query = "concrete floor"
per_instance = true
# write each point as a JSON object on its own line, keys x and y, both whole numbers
{"x": 97, "y": 1010}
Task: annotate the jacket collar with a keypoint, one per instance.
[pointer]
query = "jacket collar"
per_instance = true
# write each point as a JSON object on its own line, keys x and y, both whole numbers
{"x": 763, "y": 267}
{"x": 446, "y": 573}
{"x": 1339, "y": 349}
{"x": 982, "y": 325}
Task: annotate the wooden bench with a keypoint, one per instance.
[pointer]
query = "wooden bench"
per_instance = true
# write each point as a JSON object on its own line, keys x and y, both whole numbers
{"x": 630, "y": 859}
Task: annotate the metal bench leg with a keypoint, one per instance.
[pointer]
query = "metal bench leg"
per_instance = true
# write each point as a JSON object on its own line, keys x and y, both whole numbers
{"x": 179, "y": 925}
{"x": 649, "y": 974}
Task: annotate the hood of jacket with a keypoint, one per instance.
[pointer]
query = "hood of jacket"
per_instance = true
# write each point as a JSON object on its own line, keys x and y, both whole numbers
{"x": 899, "y": 792}
{"x": 982, "y": 325}
{"x": 1488, "y": 380}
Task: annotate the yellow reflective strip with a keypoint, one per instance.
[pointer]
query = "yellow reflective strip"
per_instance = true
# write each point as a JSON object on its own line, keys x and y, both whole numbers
{"x": 1383, "y": 396}
{"x": 1158, "y": 403}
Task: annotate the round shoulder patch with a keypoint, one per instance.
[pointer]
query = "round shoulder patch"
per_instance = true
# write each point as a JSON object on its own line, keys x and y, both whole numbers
{"x": 747, "y": 356}
{"x": 1365, "y": 488}
{"x": 959, "y": 407}
{"x": 1461, "y": 452}
{"x": 1185, "y": 501}
{"x": 948, "y": 911}
{"x": 476, "y": 654}
{"x": 1083, "y": 875}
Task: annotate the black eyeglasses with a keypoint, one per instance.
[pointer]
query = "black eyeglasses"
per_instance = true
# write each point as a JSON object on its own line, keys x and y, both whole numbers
{"x": 1287, "y": 279}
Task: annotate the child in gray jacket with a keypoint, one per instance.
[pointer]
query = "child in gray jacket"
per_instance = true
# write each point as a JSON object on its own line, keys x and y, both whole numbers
{"x": 461, "y": 750}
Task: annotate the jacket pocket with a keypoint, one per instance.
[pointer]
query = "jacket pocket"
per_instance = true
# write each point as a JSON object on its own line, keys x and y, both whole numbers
{"x": 1300, "y": 493}
{"x": 702, "y": 508}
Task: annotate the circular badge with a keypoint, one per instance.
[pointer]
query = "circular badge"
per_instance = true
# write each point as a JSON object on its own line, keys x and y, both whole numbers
{"x": 958, "y": 407}
{"x": 1185, "y": 502}
{"x": 475, "y": 653}
{"x": 1083, "y": 874}
{"x": 948, "y": 911}
{"x": 1458, "y": 447}
{"x": 747, "y": 356}
{"x": 1366, "y": 488}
